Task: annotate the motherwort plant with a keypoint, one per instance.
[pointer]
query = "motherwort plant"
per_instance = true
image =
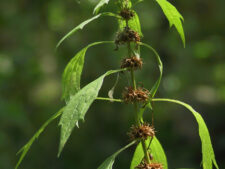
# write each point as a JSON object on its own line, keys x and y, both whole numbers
{"x": 149, "y": 153}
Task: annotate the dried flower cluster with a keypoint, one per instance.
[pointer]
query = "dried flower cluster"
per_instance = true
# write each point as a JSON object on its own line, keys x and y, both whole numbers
{"x": 127, "y": 35}
{"x": 149, "y": 166}
{"x": 127, "y": 13}
{"x": 141, "y": 132}
{"x": 132, "y": 63}
{"x": 131, "y": 95}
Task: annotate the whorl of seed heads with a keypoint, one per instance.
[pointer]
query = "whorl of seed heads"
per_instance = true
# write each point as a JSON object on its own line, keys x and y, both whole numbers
{"x": 141, "y": 132}
{"x": 149, "y": 166}
{"x": 131, "y": 95}
{"x": 132, "y": 63}
{"x": 126, "y": 13}
{"x": 127, "y": 35}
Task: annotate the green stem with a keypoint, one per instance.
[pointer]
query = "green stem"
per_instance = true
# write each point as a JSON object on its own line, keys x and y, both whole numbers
{"x": 137, "y": 118}
{"x": 133, "y": 79}
{"x": 145, "y": 151}
{"x": 109, "y": 99}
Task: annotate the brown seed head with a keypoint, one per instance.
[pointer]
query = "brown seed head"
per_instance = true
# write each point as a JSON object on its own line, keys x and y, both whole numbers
{"x": 127, "y": 35}
{"x": 131, "y": 95}
{"x": 126, "y": 13}
{"x": 132, "y": 63}
{"x": 141, "y": 132}
{"x": 149, "y": 166}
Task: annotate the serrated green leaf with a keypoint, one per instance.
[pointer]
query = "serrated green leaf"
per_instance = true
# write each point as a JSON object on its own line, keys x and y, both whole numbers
{"x": 81, "y": 26}
{"x": 72, "y": 73}
{"x": 160, "y": 65}
{"x": 27, "y": 146}
{"x": 108, "y": 163}
{"x": 77, "y": 107}
{"x": 156, "y": 150}
{"x": 173, "y": 16}
{"x": 133, "y": 23}
{"x": 208, "y": 156}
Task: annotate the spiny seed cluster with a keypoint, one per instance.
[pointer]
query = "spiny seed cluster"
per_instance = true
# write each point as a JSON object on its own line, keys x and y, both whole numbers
{"x": 126, "y": 13}
{"x": 131, "y": 95}
{"x": 141, "y": 132}
{"x": 132, "y": 63}
{"x": 127, "y": 35}
{"x": 149, "y": 166}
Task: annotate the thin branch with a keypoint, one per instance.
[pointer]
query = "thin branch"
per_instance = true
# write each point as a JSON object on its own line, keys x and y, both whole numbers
{"x": 109, "y": 99}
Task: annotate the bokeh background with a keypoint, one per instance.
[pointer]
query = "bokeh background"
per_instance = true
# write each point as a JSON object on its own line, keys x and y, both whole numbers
{"x": 30, "y": 82}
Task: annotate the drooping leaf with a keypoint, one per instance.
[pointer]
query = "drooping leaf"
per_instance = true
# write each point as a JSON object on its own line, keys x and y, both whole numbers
{"x": 108, "y": 163}
{"x": 81, "y": 26}
{"x": 100, "y": 4}
{"x": 160, "y": 65}
{"x": 173, "y": 16}
{"x": 208, "y": 156}
{"x": 72, "y": 73}
{"x": 77, "y": 107}
{"x": 133, "y": 23}
{"x": 156, "y": 150}
{"x": 27, "y": 146}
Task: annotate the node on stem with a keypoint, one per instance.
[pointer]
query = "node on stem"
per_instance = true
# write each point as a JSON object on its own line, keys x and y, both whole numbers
{"x": 141, "y": 132}
{"x": 132, "y": 63}
{"x": 145, "y": 165}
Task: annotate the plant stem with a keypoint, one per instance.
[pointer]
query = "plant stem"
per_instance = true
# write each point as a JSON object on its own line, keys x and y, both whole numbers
{"x": 135, "y": 104}
{"x": 109, "y": 99}
{"x": 144, "y": 147}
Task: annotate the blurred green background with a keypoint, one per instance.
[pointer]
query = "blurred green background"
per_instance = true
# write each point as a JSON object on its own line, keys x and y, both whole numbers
{"x": 30, "y": 82}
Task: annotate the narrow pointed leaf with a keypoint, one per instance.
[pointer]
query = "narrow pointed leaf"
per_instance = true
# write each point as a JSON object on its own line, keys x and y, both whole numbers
{"x": 108, "y": 163}
{"x": 72, "y": 73}
{"x": 208, "y": 156}
{"x": 173, "y": 16}
{"x": 27, "y": 146}
{"x": 100, "y": 4}
{"x": 156, "y": 150}
{"x": 77, "y": 107}
{"x": 160, "y": 65}
{"x": 81, "y": 26}
{"x": 134, "y": 24}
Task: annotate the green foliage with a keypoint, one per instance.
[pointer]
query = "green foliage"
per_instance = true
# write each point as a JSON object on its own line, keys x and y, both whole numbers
{"x": 79, "y": 100}
{"x": 173, "y": 16}
{"x": 81, "y": 26}
{"x": 72, "y": 73}
{"x": 108, "y": 163}
{"x": 77, "y": 107}
{"x": 27, "y": 146}
{"x": 134, "y": 24}
{"x": 100, "y": 4}
{"x": 208, "y": 157}
{"x": 156, "y": 150}
{"x": 160, "y": 65}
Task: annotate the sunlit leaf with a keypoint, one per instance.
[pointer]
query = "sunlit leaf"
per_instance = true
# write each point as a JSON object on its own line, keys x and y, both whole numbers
{"x": 134, "y": 24}
{"x": 208, "y": 156}
{"x": 81, "y": 26}
{"x": 173, "y": 16}
{"x": 27, "y": 146}
{"x": 72, "y": 73}
{"x": 77, "y": 107}
{"x": 108, "y": 163}
{"x": 160, "y": 65}
{"x": 156, "y": 150}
